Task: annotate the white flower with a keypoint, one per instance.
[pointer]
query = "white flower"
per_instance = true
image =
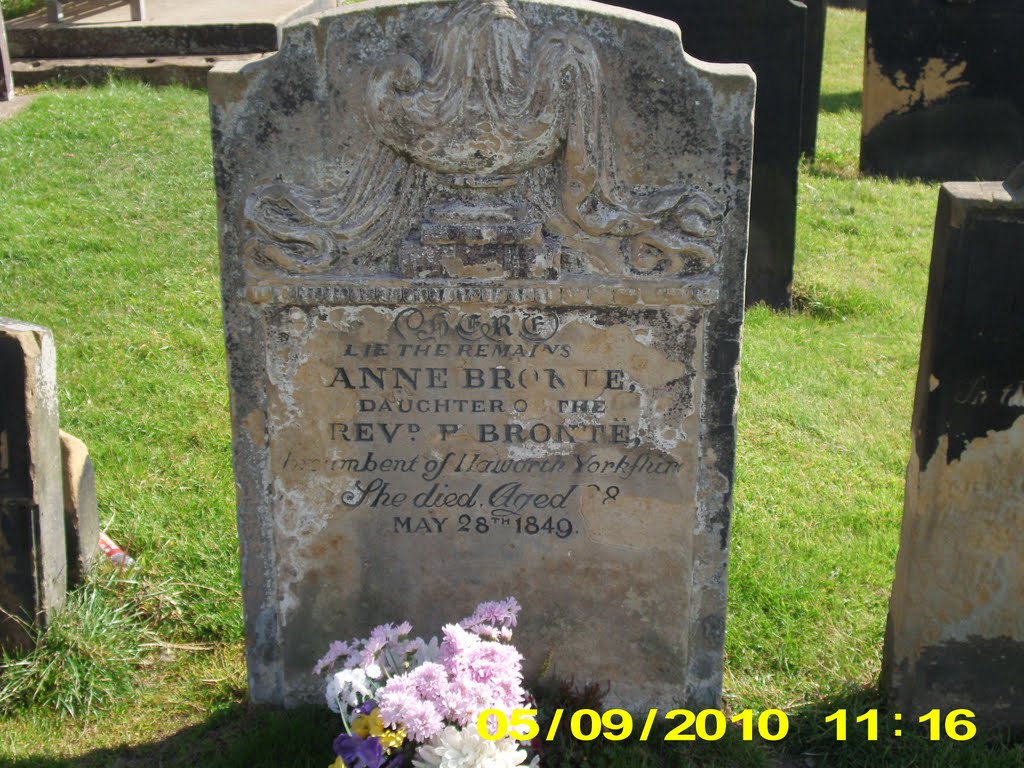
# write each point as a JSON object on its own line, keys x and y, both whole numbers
{"x": 455, "y": 748}
{"x": 348, "y": 688}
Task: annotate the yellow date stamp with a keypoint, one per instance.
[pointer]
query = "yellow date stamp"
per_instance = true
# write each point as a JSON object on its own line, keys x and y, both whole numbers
{"x": 619, "y": 725}
{"x": 711, "y": 724}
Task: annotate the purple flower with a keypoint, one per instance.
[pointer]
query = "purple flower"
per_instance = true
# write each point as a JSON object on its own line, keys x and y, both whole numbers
{"x": 359, "y": 753}
{"x": 365, "y": 708}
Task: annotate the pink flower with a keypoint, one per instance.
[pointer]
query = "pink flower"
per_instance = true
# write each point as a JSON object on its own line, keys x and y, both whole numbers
{"x": 482, "y": 674}
{"x": 403, "y": 704}
{"x": 493, "y": 620}
{"x": 336, "y": 650}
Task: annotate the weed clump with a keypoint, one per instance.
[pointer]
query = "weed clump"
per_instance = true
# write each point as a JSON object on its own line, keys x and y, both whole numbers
{"x": 85, "y": 659}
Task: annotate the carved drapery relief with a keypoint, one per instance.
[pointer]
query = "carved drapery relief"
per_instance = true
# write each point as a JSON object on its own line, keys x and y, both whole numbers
{"x": 500, "y": 144}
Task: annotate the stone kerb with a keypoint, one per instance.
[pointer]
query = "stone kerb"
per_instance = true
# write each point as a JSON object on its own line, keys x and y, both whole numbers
{"x": 482, "y": 268}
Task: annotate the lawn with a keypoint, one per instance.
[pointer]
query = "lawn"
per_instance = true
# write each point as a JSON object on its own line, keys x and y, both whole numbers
{"x": 14, "y": 8}
{"x": 108, "y": 236}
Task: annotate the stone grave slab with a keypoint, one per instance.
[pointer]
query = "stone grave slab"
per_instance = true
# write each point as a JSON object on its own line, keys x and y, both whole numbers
{"x": 81, "y": 513}
{"x": 943, "y": 95}
{"x": 769, "y": 35}
{"x": 482, "y": 269}
{"x": 955, "y": 637}
{"x": 33, "y": 569}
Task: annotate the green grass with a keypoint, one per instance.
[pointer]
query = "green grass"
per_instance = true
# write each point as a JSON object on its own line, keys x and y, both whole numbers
{"x": 14, "y": 8}
{"x": 110, "y": 240}
{"x": 107, "y": 215}
{"x": 86, "y": 659}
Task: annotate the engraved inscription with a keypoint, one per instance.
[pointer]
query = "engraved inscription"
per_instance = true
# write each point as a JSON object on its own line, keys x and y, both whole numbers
{"x": 460, "y": 422}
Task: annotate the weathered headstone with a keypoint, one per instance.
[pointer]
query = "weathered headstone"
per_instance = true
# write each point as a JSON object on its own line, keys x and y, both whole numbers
{"x": 943, "y": 92}
{"x": 32, "y": 561}
{"x": 956, "y": 618}
{"x": 814, "y": 59}
{"x": 6, "y": 76}
{"x": 81, "y": 515}
{"x": 482, "y": 270}
{"x": 769, "y": 35}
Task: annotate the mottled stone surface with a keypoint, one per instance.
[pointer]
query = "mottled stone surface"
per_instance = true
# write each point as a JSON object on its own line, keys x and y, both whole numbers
{"x": 81, "y": 515}
{"x": 955, "y": 637}
{"x": 769, "y": 35}
{"x": 482, "y": 269}
{"x": 32, "y": 560}
{"x": 943, "y": 94}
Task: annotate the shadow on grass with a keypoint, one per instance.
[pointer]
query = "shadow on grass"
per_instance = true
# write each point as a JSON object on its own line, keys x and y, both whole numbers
{"x": 812, "y": 741}
{"x": 253, "y": 737}
{"x": 238, "y": 737}
{"x": 834, "y": 103}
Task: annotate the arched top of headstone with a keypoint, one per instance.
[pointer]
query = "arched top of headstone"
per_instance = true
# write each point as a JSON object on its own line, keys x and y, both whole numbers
{"x": 411, "y": 131}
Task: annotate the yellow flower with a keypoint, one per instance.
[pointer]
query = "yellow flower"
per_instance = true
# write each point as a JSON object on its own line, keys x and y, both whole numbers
{"x": 362, "y": 726}
{"x": 372, "y": 725}
{"x": 339, "y": 763}
{"x": 392, "y": 739}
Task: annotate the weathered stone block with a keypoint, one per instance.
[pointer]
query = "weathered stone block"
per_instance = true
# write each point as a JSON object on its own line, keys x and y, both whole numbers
{"x": 482, "y": 269}
{"x": 955, "y": 637}
{"x": 81, "y": 515}
{"x": 943, "y": 94}
{"x": 33, "y": 569}
{"x": 769, "y": 35}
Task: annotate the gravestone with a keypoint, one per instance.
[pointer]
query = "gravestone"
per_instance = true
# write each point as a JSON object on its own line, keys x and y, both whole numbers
{"x": 814, "y": 59}
{"x": 32, "y": 561}
{"x": 6, "y": 76}
{"x": 81, "y": 515}
{"x": 482, "y": 270}
{"x": 955, "y": 637}
{"x": 769, "y": 35}
{"x": 943, "y": 93}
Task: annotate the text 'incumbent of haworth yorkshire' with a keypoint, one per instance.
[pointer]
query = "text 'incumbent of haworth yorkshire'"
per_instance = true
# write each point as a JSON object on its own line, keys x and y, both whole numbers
{"x": 462, "y": 422}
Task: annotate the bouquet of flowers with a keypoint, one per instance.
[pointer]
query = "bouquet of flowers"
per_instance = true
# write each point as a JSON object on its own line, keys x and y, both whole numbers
{"x": 401, "y": 696}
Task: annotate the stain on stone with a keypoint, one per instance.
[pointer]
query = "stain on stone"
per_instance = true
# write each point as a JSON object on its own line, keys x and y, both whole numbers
{"x": 973, "y": 344}
{"x": 14, "y": 458}
{"x": 984, "y": 674}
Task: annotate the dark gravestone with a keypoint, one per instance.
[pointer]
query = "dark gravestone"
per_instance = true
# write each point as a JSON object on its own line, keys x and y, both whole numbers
{"x": 943, "y": 90}
{"x": 956, "y": 626}
{"x": 32, "y": 559}
{"x": 814, "y": 56}
{"x": 769, "y": 36}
